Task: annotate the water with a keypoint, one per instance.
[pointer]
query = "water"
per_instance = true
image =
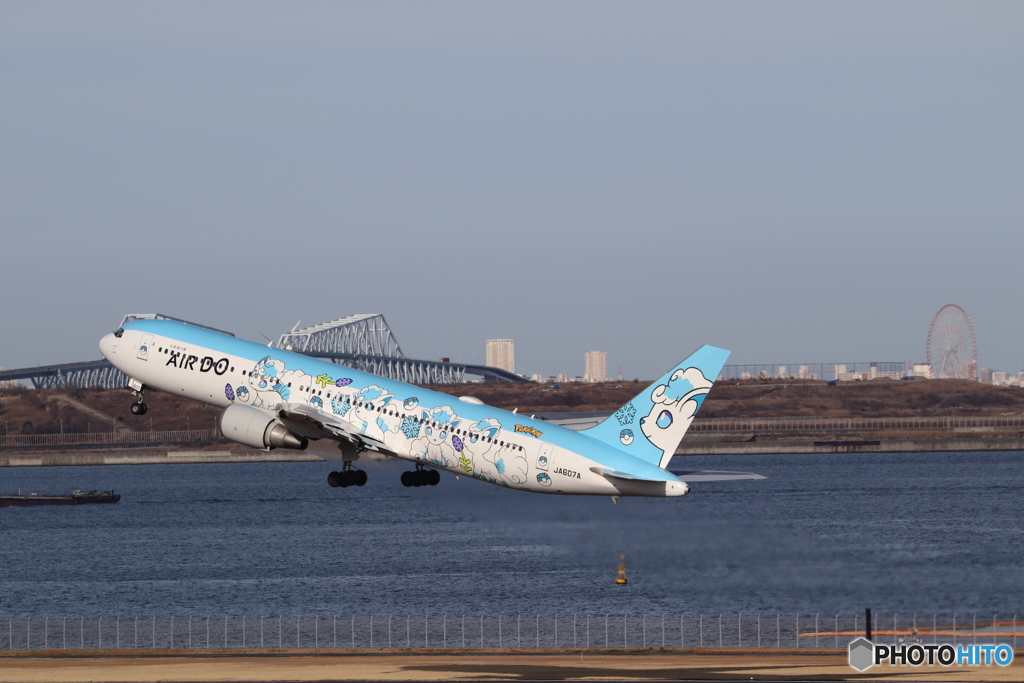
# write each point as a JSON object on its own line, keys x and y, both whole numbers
{"x": 902, "y": 533}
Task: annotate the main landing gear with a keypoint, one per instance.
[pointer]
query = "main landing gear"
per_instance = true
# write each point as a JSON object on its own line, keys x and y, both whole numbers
{"x": 139, "y": 408}
{"x": 421, "y": 477}
{"x": 347, "y": 477}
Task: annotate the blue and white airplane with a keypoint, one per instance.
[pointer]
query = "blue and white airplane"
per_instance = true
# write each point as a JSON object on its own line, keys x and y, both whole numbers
{"x": 274, "y": 398}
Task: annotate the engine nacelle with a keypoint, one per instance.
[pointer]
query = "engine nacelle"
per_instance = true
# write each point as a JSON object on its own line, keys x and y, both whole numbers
{"x": 258, "y": 428}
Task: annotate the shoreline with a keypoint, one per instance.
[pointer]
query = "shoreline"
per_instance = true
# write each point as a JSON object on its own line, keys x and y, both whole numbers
{"x": 851, "y": 445}
{"x": 131, "y": 456}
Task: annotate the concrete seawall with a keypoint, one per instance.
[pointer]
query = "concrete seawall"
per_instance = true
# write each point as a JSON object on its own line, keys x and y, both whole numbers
{"x": 848, "y": 446}
{"x": 148, "y": 457}
{"x": 133, "y": 456}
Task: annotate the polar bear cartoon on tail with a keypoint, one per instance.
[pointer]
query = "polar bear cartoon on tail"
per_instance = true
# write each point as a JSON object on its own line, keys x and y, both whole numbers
{"x": 675, "y": 404}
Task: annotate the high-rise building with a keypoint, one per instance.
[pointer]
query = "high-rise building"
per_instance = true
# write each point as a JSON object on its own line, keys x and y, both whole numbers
{"x": 501, "y": 354}
{"x": 595, "y": 365}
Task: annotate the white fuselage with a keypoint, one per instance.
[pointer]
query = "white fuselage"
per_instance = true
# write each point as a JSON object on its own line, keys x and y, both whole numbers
{"x": 404, "y": 421}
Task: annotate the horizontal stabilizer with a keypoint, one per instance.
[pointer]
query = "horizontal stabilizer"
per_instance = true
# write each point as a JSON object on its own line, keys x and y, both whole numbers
{"x": 712, "y": 475}
{"x": 605, "y": 472}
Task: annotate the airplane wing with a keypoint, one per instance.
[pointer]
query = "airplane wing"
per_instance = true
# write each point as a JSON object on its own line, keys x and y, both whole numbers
{"x": 712, "y": 475}
{"x": 334, "y": 426}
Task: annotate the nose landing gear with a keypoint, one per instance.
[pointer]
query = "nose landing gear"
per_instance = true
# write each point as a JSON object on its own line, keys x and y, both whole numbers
{"x": 138, "y": 389}
{"x": 421, "y": 477}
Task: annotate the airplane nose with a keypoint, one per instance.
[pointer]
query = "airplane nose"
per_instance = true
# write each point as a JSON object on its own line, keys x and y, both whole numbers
{"x": 107, "y": 345}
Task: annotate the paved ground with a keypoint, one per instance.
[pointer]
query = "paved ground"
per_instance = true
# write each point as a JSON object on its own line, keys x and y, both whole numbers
{"x": 763, "y": 665}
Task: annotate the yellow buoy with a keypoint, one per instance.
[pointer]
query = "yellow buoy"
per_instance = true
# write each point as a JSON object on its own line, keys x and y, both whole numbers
{"x": 621, "y": 578}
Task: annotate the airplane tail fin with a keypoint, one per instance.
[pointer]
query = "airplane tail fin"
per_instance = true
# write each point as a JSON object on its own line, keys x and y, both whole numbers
{"x": 651, "y": 426}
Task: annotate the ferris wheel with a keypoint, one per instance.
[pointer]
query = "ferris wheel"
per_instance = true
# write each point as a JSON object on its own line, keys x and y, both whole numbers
{"x": 952, "y": 346}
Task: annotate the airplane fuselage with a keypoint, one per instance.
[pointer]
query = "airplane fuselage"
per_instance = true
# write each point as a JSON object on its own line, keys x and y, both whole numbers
{"x": 322, "y": 400}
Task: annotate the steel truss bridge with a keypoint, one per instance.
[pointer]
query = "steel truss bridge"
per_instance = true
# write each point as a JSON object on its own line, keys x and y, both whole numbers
{"x": 88, "y": 375}
{"x": 366, "y": 343}
{"x": 361, "y": 342}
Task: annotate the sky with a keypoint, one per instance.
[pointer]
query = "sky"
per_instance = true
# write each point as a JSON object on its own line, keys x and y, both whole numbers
{"x": 798, "y": 182}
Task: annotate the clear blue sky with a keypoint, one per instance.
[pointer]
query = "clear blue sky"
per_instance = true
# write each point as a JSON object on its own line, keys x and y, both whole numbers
{"x": 797, "y": 182}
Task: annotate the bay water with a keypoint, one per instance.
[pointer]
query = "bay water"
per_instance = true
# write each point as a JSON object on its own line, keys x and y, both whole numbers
{"x": 909, "y": 533}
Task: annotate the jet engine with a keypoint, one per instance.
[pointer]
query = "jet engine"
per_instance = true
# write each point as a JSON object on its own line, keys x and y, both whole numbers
{"x": 258, "y": 428}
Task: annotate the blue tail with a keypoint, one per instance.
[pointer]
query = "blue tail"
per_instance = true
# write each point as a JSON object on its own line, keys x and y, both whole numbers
{"x": 651, "y": 426}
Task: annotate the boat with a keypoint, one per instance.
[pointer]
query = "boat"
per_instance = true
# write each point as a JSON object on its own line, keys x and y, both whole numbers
{"x": 79, "y": 497}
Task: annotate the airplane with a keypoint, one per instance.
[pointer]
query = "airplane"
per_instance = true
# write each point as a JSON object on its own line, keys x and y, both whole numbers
{"x": 274, "y": 398}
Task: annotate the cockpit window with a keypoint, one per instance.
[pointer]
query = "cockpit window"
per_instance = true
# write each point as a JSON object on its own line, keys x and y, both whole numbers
{"x": 118, "y": 332}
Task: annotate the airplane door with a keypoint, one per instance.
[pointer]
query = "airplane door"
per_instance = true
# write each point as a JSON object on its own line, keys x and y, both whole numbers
{"x": 147, "y": 341}
{"x": 544, "y": 458}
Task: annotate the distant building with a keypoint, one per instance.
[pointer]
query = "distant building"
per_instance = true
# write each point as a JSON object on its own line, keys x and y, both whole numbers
{"x": 843, "y": 375}
{"x": 595, "y": 366}
{"x": 501, "y": 354}
{"x": 1000, "y": 377}
{"x": 922, "y": 370}
{"x": 875, "y": 373}
{"x": 985, "y": 375}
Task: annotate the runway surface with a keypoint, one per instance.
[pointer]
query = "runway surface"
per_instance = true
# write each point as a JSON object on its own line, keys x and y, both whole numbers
{"x": 693, "y": 665}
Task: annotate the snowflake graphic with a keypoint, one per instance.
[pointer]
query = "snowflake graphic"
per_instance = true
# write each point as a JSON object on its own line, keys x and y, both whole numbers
{"x": 340, "y": 404}
{"x": 626, "y": 414}
{"x": 410, "y": 427}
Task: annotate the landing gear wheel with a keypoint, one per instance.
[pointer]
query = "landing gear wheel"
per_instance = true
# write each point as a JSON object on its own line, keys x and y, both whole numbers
{"x": 407, "y": 478}
{"x": 139, "y": 408}
{"x": 433, "y": 477}
{"x": 334, "y": 479}
{"x": 360, "y": 478}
